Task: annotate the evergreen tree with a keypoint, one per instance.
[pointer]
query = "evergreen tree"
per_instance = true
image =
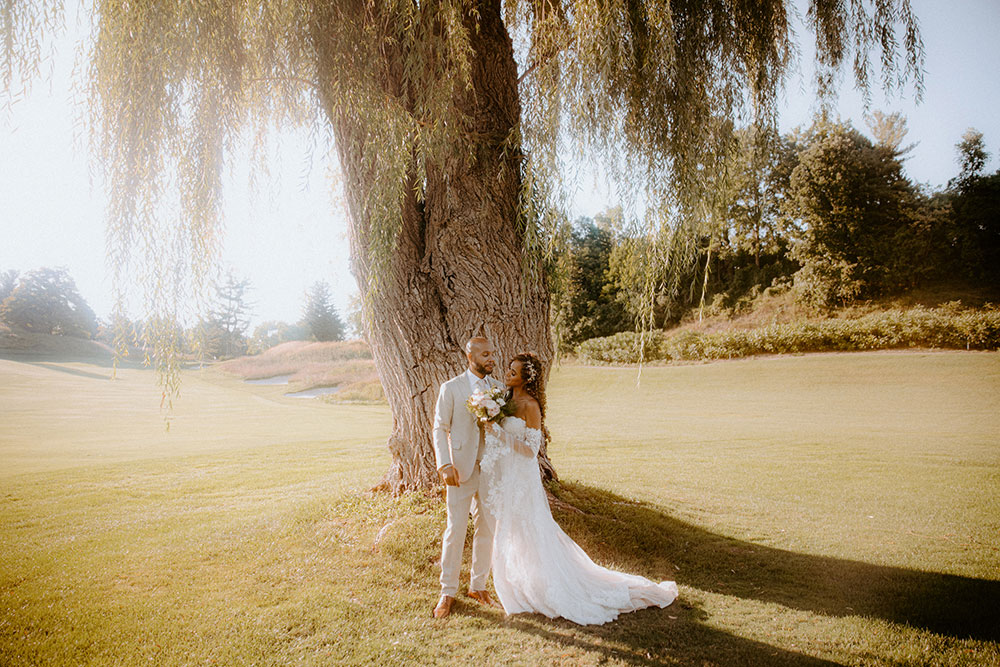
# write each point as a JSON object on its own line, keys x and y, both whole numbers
{"x": 320, "y": 318}
{"x": 224, "y": 333}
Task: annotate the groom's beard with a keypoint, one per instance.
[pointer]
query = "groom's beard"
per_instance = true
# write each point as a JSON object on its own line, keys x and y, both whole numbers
{"x": 481, "y": 369}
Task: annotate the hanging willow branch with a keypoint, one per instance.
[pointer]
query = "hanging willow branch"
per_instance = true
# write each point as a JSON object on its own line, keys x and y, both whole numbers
{"x": 652, "y": 88}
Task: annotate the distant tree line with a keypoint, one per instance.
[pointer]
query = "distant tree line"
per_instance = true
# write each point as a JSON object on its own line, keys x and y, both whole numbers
{"x": 320, "y": 322}
{"x": 47, "y": 301}
{"x": 826, "y": 212}
{"x": 224, "y": 332}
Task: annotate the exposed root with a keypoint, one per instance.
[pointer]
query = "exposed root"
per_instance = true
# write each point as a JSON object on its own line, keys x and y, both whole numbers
{"x": 562, "y": 505}
{"x": 384, "y": 486}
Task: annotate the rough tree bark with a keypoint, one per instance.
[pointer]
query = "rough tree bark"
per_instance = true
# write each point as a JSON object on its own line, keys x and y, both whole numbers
{"x": 456, "y": 270}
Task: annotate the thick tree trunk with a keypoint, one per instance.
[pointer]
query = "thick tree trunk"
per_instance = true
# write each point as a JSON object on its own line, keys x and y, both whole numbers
{"x": 456, "y": 270}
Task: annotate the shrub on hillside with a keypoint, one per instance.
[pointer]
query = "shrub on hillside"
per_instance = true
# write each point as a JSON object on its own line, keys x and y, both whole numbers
{"x": 945, "y": 327}
{"x": 823, "y": 282}
{"x": 626, "y": 347}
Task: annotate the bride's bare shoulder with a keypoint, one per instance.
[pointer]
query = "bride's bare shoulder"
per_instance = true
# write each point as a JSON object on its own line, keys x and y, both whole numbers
{"x": 531, "y": 413}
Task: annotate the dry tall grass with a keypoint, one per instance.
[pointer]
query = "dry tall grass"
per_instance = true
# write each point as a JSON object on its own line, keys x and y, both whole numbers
{"x": 344, "y": 364}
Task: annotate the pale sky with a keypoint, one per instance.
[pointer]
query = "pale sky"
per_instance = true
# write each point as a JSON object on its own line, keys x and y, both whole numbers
{"x": 293, "y": 233}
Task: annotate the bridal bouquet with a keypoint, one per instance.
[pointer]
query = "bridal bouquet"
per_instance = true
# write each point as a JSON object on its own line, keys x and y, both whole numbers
{"x": 490, "y": 406}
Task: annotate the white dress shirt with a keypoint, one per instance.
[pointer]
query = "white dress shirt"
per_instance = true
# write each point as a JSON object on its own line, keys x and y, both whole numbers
{"x": 477, "y": 382}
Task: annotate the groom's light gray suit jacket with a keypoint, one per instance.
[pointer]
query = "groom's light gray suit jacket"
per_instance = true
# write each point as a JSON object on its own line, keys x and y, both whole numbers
{"x": 456, "y": 433}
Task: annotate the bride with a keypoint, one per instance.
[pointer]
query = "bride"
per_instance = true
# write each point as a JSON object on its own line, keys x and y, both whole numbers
{"x": 536, "y": 566}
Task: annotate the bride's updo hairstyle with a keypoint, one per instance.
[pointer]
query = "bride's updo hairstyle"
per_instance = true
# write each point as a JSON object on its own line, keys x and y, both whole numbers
{"x": 534, "y": 381}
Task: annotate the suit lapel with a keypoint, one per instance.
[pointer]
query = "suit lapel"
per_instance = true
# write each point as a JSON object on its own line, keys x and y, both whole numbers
{"x": 469, "y": 430}
{"x": 464, "y": 392}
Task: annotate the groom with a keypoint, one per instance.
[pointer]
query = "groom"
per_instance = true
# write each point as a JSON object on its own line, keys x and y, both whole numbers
{"x": 458, "y": 448}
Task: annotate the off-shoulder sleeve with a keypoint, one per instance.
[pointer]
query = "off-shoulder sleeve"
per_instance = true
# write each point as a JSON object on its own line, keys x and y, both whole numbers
{"x": 532, "y": 440}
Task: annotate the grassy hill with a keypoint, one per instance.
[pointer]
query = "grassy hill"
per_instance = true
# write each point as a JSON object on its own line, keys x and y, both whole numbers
{"x": 52, "y": 348}
{"x": 779, "y": 306}
{"x": 347, "y": 365}
{"x": 774, "y": 323}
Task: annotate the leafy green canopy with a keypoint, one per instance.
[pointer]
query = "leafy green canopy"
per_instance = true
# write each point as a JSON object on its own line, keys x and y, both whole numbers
{"x": 653, "y": 87}
{"x": 45, "y": 301}
{"x": 854, "y": 205}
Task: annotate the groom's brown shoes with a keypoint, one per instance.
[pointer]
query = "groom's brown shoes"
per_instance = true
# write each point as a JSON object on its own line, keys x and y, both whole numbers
{"x": 482, "y": 597}
{"x": 443, "y": 607}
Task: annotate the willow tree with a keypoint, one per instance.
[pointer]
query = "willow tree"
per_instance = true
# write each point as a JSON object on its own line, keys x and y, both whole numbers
{"x": 450, "y": 120}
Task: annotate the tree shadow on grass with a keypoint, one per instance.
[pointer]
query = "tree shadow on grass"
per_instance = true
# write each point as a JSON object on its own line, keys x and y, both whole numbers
{"x": 54, "y": 362}
{"x": 662, "y": 637}
{"x": 648, "y": 541}
{"x": 676, "y": 635}
{"x": 52, "y": 366}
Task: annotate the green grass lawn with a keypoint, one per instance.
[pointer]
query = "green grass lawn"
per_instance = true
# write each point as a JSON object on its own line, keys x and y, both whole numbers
{"x": 822, "y": 509}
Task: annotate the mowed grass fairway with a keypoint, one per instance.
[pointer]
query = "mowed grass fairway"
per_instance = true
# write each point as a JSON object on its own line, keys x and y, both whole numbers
{"x": 823, "y": 509}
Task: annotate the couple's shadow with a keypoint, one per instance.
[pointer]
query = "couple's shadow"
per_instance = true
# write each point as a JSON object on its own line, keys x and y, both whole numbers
{"x": 643, "y": 539}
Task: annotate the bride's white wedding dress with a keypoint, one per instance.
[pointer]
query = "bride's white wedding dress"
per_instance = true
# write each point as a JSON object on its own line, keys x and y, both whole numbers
{"x": 536, "y": 566}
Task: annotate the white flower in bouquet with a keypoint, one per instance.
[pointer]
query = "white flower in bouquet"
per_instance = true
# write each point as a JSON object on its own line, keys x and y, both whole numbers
{"x": 489, "y": 405}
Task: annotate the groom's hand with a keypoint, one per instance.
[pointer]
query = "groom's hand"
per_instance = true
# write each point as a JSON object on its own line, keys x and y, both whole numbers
{"x": 449, "y": 475}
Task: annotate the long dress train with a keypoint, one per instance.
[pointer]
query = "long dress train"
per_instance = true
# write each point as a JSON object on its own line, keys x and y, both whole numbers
{"x": 536, "y": 566}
